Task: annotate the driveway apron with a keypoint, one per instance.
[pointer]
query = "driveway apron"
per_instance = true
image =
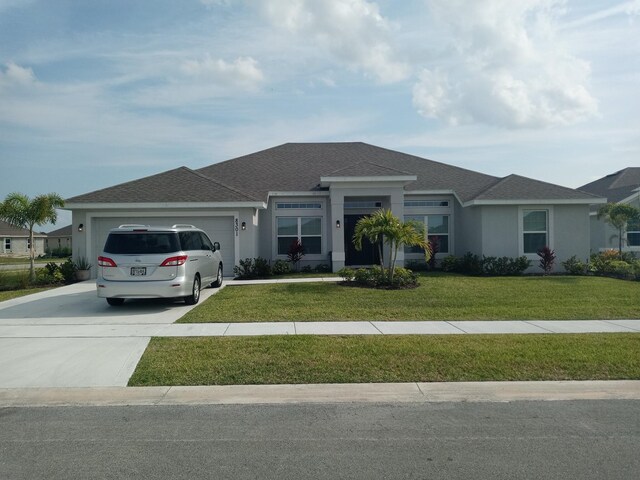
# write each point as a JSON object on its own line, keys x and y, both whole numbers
{"x": 67, "y": 337}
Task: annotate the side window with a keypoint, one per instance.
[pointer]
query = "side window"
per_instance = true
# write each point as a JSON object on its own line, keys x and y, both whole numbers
{"x": 205, "y": 241}
{"x": 190, "y": 240}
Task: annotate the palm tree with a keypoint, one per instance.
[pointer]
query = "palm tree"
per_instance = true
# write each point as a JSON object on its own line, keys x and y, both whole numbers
{"x": 618, "y": 215}
{"x": 20, "y": 211}
{"x": 384, "y": 226}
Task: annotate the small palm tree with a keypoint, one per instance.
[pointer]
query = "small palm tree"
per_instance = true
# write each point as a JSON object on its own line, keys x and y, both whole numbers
{"x": 20, "y": 211}
{"x": 618, "y": 215}
{"x": 384, "y": 227}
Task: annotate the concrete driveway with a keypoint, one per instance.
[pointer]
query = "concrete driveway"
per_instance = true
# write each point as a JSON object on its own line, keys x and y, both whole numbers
{"x": 36, "y": 349}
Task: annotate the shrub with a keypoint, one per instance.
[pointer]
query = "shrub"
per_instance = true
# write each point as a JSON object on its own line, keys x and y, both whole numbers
{"x": 68, "y": 270}
{"x": 574, "y": 266}
{"x": 471, "y": 264}
{"x": 295, "y": 253}
{"x": 449, "y": 264}
{"x": 547, "y": 259}
{"x": 261, "y": 267}
{"x": 252, "y": 268}
{"x": 306, "y": 269}
{"x": 322, "y": 268}
{"x": 504, "y": 266}
{"x": 377, "y": 277}
{"x": 418, "y": 265}
{"x": 347, "y": 274}
{"x": 280, "y": 267}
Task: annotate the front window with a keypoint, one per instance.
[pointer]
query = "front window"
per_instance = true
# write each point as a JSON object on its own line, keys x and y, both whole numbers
{"x": 307, "y": 230}
{"x": 437, "y": 232}
{"x": 633, "y": 233}
{"x": 535, "y": 230}
{"x": 7, "y": 244}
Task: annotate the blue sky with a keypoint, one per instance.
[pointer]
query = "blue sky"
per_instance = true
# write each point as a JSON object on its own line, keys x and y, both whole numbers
{"x": 95, "y": 93}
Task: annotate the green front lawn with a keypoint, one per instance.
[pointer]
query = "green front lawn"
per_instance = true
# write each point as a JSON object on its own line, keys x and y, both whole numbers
{"x": 366, "y": 359}
{"x": 9, "y": 294}
{"x": 439, "y": 297}
{"x": 25, "y": 260}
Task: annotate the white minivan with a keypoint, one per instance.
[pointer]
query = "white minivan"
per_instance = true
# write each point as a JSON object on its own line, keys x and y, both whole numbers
{"x": 140, "y": 261}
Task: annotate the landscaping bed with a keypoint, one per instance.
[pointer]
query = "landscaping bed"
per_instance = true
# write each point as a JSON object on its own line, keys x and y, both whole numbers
{"x": 439, "y": 297}
{"x": 367, "y": 359}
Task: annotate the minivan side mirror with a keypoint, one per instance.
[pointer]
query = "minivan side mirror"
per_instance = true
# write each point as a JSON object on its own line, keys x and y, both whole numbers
{"x": 216, "y": 246}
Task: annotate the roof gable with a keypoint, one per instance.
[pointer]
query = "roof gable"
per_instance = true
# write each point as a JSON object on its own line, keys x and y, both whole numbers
{"x": 516, "y": 187}
{"x": 366, "y": 169}
{"x": 616, "y": 186}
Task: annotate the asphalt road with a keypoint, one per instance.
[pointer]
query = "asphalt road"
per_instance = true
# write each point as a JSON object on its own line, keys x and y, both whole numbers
{"x": 563, "y": 440}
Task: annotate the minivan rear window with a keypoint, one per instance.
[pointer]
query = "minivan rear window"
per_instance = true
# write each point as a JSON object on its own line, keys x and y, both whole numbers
{"x": 139, "y": 243}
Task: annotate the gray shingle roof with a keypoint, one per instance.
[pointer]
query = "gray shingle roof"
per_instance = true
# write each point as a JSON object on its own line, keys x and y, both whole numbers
{"x": 8, "y": 230}
{"x": 515, "y": 187}
{"x": 299, "y": 166}
{"x": 179, "y": 185}
{"x": 366, "y": 169}
{"x": 61, "y": 232}
{"x": 617, "y": 186}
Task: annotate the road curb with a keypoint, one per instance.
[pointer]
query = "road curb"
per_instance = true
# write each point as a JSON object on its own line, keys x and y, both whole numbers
{"x": 323, "y": 393}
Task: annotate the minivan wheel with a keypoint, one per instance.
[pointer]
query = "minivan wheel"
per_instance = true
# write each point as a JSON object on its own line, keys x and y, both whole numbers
{"x": 195, "y": 292}
{"x": 218, "y": 281}
{"x": 115, "y": 302}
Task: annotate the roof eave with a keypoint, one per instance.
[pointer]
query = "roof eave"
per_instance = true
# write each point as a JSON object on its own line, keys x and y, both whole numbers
{"x": 154, "y": 205}
{"x": 532, "y": 201}
{"x": 404, "y": 179}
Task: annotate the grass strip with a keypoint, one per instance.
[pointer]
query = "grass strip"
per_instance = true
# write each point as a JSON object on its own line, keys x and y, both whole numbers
{"x": 9, "y": 294}
{"x": 372, "y": 359}
{"x": 439, "y": 297}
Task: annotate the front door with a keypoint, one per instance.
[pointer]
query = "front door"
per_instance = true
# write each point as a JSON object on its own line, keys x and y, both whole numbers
{"x": 368, "y": 255}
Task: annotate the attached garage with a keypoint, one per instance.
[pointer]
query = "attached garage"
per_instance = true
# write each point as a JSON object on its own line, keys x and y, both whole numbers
{"x": 219, "y": 228}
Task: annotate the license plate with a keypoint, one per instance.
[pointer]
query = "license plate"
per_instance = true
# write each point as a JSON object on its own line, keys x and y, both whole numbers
{"x": 138, "y": 271}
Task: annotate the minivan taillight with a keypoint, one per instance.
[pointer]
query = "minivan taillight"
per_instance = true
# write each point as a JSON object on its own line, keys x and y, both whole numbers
{"x": 106, "y": 262}
{"x": 174, "y": 261}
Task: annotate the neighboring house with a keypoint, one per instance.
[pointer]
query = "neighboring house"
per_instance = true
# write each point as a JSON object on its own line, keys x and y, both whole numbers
{"x": 619, "y": 187}
{"x": 15, "y": 241}
{"x": 58, "y": 239}
{"x": 257, "y": 204}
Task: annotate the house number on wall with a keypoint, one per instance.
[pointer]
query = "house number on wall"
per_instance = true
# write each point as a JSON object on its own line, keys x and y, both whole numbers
{"x": 236, "y": 227}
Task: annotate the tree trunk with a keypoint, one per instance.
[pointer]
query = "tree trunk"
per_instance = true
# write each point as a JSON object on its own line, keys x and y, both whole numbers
{"x": 620, "y": 242}
{"x": 32, "y": 270}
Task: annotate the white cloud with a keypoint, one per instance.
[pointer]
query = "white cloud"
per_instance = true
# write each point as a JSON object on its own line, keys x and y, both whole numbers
{"x": 15, "y": 75}
{"x": 507, "y": 67}
{"x": 243, "y": 72}
{"x": 352, "y": 31}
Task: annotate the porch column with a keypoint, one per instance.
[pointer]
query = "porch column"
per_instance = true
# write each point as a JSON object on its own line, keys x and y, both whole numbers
{"x": 337, "y": 234}
{"x": 397, "y": 208}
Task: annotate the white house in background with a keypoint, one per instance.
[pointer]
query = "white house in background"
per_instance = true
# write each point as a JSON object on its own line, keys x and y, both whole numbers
{"x": 15, "y": 241}
{"x": 58, "y": 239}
{"x": 257, "y": 204}
{"x": 619, "y": 187}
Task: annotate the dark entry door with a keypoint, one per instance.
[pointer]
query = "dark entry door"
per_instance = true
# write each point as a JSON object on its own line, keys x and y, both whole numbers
{"x": 369, "y": 253}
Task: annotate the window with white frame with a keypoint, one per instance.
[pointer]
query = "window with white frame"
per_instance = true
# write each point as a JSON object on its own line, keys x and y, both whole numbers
{"x": 426, "y": 203}
{"x": 535, "y": 230}
{"x": 7, "y": 244}
{"x": 633, "y": 233}
{"x": 307, "y": 230}
{"x": 437, "y": 232}
{"x": 296, "y": 206}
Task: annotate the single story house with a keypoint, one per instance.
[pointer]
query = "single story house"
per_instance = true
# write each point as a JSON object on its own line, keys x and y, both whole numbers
{"x": 619, "y": 187}
{"x": 16, "y": 243}
{"x": 256, "y": 205}
{"x": 58, "y": 239}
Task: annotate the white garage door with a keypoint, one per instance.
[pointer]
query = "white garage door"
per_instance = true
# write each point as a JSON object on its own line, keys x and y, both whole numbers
{"x": 219, "y": 229}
